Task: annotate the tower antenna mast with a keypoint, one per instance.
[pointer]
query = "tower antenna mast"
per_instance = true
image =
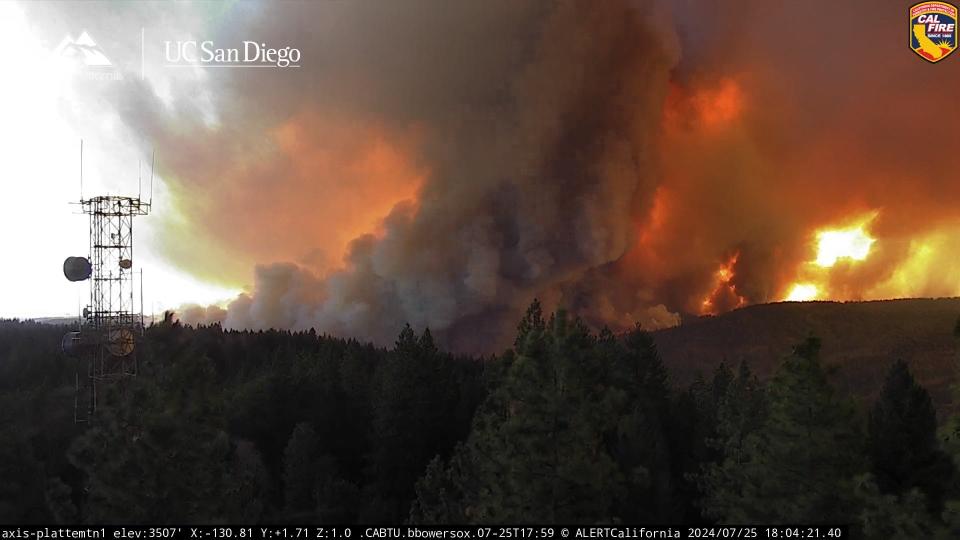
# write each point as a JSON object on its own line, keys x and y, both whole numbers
{"x": 111, "y": 325}
{"x": 153, "y": 160}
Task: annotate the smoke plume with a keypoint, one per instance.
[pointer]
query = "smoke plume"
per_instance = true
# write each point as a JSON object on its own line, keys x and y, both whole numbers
{"x": 443, "y": 164}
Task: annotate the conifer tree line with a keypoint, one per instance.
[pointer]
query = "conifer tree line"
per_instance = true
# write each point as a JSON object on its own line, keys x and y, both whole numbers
{"x": 566, "y": 426}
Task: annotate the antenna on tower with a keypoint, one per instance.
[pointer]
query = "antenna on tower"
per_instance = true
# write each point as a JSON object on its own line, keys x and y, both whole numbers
{"x": 141, "y": 302}
{"x": 153, "y": 159}
{"x": 81, "y": 169}
{"x": 105, "y": 344}
{"x": 139, "y": 179}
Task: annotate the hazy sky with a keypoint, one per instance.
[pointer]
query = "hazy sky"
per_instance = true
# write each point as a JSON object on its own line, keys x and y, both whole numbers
{"x": 48, "y": 103}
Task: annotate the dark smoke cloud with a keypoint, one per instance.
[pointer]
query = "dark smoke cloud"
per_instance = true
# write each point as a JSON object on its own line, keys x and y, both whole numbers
{"x": 531, "y": 125}
{"x": 609, "y": 157}
{"x": 835, "y": 118}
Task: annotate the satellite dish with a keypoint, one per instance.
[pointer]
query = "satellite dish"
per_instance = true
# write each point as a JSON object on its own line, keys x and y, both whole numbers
{"x": 126, "y": 264}
{"x": 70, "y": 344}
{"x": 120, "y": 342}
{"x": 77, "y": 268}
{"x": 86, "y": 312}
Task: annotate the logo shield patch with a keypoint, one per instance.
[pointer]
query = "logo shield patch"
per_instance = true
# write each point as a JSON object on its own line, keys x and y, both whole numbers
{"x": 933, "y": 30}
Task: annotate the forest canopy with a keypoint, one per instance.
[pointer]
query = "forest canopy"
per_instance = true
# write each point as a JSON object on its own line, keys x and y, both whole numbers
{"x": 567, "y": 425}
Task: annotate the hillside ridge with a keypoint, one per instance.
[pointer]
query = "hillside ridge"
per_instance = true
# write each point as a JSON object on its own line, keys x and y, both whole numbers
{"x": 860, "y": 341}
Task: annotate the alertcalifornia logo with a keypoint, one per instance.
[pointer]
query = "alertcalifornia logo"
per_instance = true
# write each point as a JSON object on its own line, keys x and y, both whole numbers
{"x": 83, "y": 49}
{"x": 84, "y": 58}
{"x": 933, "y": 30}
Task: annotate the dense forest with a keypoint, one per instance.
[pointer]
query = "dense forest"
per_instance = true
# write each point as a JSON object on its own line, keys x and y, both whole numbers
{"x": 565, "y": 426}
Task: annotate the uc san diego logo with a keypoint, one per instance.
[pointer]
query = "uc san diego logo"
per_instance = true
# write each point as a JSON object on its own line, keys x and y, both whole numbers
{"x": 933, "y": 30}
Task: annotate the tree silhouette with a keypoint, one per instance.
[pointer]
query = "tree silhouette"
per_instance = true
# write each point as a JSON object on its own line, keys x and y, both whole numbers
{"x": 902, "y": 440}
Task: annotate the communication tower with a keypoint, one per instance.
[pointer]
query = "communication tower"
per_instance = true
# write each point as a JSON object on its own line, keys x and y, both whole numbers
{"x": 105, "y": 346}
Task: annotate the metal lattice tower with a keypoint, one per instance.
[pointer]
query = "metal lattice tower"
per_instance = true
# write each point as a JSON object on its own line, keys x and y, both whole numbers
{"x": 110, "y": 324}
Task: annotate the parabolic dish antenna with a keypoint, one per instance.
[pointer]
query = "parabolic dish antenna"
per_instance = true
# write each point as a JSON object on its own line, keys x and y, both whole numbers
{"x": 70, "y": 344}
{"x": 77, "y": 268}
{"x": 120, "y": 342}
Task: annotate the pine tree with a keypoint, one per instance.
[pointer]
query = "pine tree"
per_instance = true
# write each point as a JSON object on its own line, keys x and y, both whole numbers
{"x": 21, "y": 488}
{"x": 159, "y": 453}
{"x": 950, "y": 439}
{"x": 741, "y": 410}
{"x": 300, "y": 470}
{"x": 336, "y": 499}
{"x": 407, "y": 424}
{"x": 251, "y": 484}
{"x": 723, "y": 377}
{"x": 539, "y": 449}
{"x": 531, "y": 326}
{"x": 889, "y": 516}
{"x": 950, "y": 436}
{"x": 796, "y": 468}
{"x": 693, "y": 431}
{"x": 442, "y": 491}
{"x": 642, "y": 444}
{"x": 902, "y": 440}
{"x": 951, "y": 521}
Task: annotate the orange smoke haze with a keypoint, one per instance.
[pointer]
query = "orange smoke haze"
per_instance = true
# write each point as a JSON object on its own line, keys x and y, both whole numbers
{"x": 720, "y": 194}
{"x": 629, "y": 161}
{"x": 317, "y": 183}
{"x": 857, "y": 225}
{"x": 344, "y": 186}
{"x": 706, "y": 108}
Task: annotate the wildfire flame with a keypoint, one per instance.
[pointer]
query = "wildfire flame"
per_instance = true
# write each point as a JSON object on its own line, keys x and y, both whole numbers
{"x": 851, "y": 243}
{"x": 708, "y": 109}
{"x": 802, "y": 292}
{"x": 724, "y": 295}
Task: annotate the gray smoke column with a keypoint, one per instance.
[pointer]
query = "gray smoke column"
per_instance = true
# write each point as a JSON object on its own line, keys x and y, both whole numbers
{"x": 444, "y": 163}
{"x": 526, "y": 127}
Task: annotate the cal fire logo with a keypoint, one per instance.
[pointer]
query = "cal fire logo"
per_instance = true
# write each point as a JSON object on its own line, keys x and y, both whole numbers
{"x": 933, "y": 30}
